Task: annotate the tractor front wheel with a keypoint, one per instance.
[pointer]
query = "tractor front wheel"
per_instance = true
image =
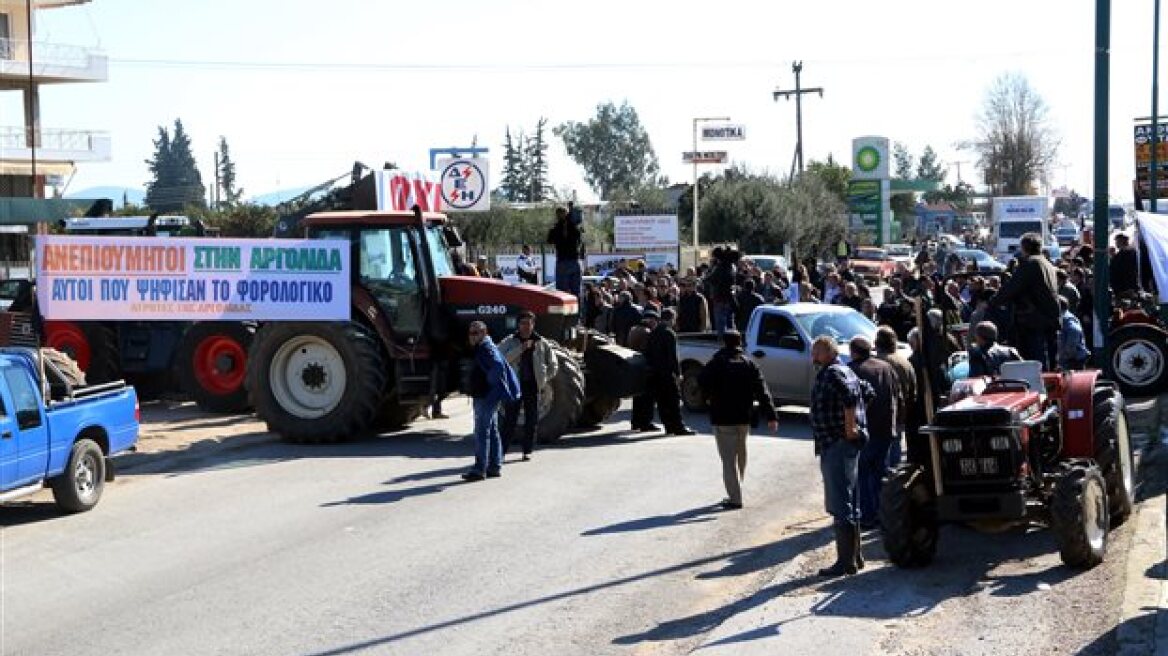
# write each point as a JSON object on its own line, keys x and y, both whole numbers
{"x": 1078, "y": 513}
{"x": 907, "y": 518}
{"x": 316, "y": 382}
{"x": 1113, "y": 452}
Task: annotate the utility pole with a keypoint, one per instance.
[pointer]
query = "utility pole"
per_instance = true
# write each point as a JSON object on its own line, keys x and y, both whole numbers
{"x": 696, "y": 121}
{"x": 1153, "y": 183}
{"x": 798, "y": 92}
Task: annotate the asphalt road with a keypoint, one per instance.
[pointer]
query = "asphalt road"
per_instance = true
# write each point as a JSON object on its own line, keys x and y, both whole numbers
{"x": 606, "y": 543}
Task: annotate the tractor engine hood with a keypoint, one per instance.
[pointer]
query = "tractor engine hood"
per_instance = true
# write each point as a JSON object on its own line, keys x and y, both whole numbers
{"x": 993, "y": 408}
{"x": 472, "y": 292}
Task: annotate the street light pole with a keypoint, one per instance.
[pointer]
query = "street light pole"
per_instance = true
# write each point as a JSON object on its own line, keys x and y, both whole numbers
{"x": 1153, "y": 183}
{"x": 1102, "y": 221}
{"x": 696, "y": 121}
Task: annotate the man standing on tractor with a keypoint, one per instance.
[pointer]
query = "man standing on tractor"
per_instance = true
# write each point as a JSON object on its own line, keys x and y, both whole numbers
{"x": 1124, "y": 267}
{"x": 1032, "y": 291}
{"x": 566, "y": 237}
{"x": 492, "y": 381}
{"x": 530, "y": 354}
{"x": 839, "y": 427}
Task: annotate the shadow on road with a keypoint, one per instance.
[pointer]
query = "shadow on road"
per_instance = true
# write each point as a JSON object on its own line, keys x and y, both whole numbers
{"x": 28, "y": 512}
{"x": 692, "y": 516}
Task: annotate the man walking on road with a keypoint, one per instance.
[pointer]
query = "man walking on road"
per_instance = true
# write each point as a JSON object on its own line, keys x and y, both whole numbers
{"x": 664, "y": 370}
{"x": 732, "y": 383}
{"x": 883, "y": 413}
{"x": 492, "y": 381}
{"x": 565, "y": 236}
{"x": 531, "y": 355}
{"x": 839, "y": 428}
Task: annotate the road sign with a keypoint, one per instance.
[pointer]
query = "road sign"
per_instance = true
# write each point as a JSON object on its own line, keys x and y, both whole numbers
{"x": 725, "y": 132}
{"x": 705, "y": 157}
{"x": 465, "y": 184}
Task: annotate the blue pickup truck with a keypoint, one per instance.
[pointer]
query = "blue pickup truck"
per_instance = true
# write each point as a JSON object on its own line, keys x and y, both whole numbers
{"x": 62, "y": 433}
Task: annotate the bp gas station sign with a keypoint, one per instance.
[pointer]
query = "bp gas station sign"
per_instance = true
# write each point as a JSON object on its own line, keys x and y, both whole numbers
{"x": 869, "y": 188}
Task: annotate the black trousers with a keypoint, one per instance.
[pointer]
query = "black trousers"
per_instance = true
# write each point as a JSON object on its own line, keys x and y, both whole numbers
{"x": 529, "y": 402}
{"x": 668, "y": 399}
{"x": 643, "y": 408}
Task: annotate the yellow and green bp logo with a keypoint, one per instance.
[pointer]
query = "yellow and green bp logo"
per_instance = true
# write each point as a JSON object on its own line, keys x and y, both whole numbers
{"x": 867, "y": 159}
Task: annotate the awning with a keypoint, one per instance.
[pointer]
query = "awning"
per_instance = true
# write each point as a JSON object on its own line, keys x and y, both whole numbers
{"x": 29, "y": 211}
{"x": 24, "y": 167}
{"x": 1154, "y": 235}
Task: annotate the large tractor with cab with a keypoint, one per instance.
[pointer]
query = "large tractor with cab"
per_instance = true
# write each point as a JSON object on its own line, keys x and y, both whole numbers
{"x": 405, "y": 344}
{"x": 1023, "y": 446}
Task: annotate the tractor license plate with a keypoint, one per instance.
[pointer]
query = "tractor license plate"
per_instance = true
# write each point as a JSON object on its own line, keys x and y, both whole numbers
{"x": 975, "y": 466}
{"x": 969, "y": 466}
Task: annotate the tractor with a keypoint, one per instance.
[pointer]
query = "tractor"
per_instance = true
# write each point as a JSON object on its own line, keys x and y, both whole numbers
{"x": 1024, "y": 445}
{"x": 405, "y": 344}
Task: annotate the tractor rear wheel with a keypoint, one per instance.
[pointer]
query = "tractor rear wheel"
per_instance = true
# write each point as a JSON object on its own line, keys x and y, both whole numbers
{"x": 94, "y": 346}
{"x": 909, "y": 525}
{"x": 1140, "y": 360}
{"x": 561, "y": 401}
{"x": 212, "y": 364}
{"x": 316, "y": 382}
{"x": 1078, "y": 514}
{"x": 1113, "y": 452}
{"x": 598, "y": 409}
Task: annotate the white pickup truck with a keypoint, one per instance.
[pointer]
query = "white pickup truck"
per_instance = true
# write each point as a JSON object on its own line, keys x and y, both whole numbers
{"x": 778, "y": 338}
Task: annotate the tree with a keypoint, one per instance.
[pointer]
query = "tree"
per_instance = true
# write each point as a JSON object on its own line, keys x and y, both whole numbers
{"x": 177, "y": 182}
{"x": 903, "y": 161}
{"x": 246, "y": 220}
{"x": 226, "y": 175}
{"x": 613, "y": 148}
{"x": 1016, "y": 144}
{"x": 512, "y": 184}
{"x": 930, "y": 167}
{"x": 535, "y": 164}
{"x": 834, "y": 176}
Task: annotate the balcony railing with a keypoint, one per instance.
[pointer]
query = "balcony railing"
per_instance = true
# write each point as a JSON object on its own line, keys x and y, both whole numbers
{"x": 52, "y": 60}
{"x": 55, "y": 144}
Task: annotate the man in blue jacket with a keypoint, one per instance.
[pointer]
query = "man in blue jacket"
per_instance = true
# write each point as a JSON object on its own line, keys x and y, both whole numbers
{"x": 492, "y": 381}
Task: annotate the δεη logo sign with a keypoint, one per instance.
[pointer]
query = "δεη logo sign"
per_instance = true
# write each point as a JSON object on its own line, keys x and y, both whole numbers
{"x": 464, "y": 184}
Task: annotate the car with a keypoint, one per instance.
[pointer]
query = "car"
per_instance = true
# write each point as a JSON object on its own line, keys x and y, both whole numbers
{"x": 1067, "y": 234}
{"x": 872, "y": 263}
{"x": 778, "y": 338}
{"x": 900, "y": 253}
{"x": 984, "y": 261}
{"x": 767, "y": 262}
{"x": 1119, "y": 217}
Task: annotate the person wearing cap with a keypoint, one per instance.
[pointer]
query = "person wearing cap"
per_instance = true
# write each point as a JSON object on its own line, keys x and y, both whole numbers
{"x": 731, "y": 384}
{"x": 883, "y": 413}
{"x": 664, "y": 370}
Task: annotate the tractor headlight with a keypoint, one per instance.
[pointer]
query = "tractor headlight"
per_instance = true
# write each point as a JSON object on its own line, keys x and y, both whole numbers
{"x": 951, "y": 445}
{"x": 1000, "y": 443}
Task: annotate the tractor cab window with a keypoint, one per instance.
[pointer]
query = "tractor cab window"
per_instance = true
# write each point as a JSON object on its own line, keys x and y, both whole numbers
{"x": 388, "y": 269}
{"x": 436, "y": 242}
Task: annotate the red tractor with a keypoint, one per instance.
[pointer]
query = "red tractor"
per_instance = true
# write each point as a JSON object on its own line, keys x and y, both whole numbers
{"x": 1025, "y": 445}
{"x": 405, "y": 344}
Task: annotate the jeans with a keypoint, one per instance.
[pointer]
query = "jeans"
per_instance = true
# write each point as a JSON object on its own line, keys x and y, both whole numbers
{"x": 732, "y": 450}
{"x": 837, "y": 465}
{"x": 529, "y": 403}
{"x": 568, "y": 276}
{"x": 722, "y": 316}
{"x": 488, "y": 445}
{"x": 872, "y": 467}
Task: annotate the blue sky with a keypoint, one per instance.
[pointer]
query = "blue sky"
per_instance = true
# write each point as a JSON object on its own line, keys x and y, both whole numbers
{"x": 302, "y": 89}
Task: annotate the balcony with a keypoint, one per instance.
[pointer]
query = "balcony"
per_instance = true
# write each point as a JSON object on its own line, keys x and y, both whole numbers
{"x": 55, "y": 146}
{"x": 52, "y": 63}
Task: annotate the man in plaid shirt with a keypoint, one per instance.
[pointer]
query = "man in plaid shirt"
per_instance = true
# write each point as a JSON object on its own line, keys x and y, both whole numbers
{"x": 839, "y": 427}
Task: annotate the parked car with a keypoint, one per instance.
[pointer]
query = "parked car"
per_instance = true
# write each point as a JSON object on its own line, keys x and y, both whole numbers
{"x": 900, "y": 253}
{"x": 984, "y": 261}
{"x": 768, "y": 262}
{"x": 65, "y": 443}
{"x": 1067, "y": 234}
{"x": 778, "y": 338}
{"x": 873, "y": 264}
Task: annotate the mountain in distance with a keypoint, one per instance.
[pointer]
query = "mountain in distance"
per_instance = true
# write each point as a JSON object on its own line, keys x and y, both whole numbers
{"x": 276, "y": 197}
{"x": 116, "y": 194}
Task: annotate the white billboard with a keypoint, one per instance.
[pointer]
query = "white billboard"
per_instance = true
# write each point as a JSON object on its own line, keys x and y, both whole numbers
{"x": 648, "y": 232}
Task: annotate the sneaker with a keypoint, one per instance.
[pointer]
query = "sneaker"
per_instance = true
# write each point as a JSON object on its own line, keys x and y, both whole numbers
{"x": 494, "y": 474}
{"x": 472, "y": 476}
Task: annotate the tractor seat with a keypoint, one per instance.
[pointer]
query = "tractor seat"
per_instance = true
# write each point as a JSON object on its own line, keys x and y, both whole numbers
{"x": 1028, "y": 371}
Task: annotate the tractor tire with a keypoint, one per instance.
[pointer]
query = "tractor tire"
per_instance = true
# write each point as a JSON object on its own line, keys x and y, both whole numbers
{"x": 1078, "y": 515}
{"x": 691, "y": 393}
{"x": 94, "y": 346}
{"x": 1140, "y": 360}
{"x": 79, "y": 487}
{"x": 1113, "y": 452}
{"x": 70, "y": 372}
{"x": 393, "y": 416}
{"x": 212, "y": 365}
{"x": 598, "y": 409}
{"x": 909, "y": 525}
{"x": 561, "y": 401}
{"x": 316, "y": 382}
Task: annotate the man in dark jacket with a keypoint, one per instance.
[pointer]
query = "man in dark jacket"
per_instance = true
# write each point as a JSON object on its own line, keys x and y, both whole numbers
{"x": 747, "y": 300}
{"x": 664, "y": 370}
{"x": 1033, "y": 293}
{"x": 986, "y": 355}
{"x": 719, "y": 285}
{"x": 731, "y": 384}
{"x": 625, "y": 315}
{"x": 1123, "y": 268}
{"x": 693, "y": 313}
{"x": 906, "y": 377}
{"x": 883, "y": 414}
{"x": 565, "y": 236}
{"x": 493, "y": 381}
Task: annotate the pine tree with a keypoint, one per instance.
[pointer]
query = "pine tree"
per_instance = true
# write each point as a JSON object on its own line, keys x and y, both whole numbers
{"x": 177, "y": 182}
{"x": 226, "y": 175}
{"x": 511, "y": 185}
{"x": 158, "y": 188}
{"x": 535, "y": 156}
{"x": 188, "y": 180}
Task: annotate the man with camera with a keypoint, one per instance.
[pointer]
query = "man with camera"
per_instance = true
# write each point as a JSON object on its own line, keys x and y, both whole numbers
{"x": 565, "y": 235}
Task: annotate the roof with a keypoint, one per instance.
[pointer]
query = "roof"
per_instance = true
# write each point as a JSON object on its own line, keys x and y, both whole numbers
{"x": 369, "y": 217}
{"x": 938, "y": 207}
